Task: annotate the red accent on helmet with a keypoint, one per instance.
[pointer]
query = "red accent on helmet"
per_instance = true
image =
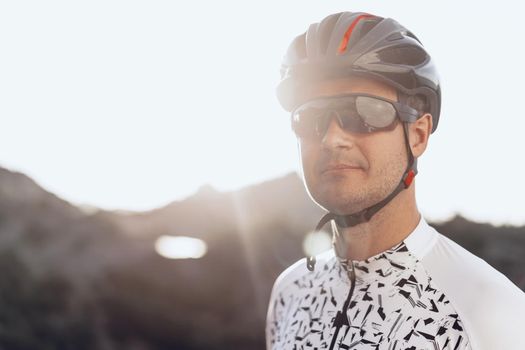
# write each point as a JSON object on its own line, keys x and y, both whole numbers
{"x": 348, "y": 34}
{"x": 409, "y": 178}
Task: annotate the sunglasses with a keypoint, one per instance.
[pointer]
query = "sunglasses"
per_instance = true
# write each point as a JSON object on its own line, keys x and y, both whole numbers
{"x": 357, "y": 113}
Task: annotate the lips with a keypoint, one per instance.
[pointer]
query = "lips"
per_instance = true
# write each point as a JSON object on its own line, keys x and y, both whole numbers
{"x": 340, "y": 167}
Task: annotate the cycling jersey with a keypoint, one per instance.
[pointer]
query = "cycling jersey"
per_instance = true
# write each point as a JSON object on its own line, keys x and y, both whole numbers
{"x": 427, "y": 292}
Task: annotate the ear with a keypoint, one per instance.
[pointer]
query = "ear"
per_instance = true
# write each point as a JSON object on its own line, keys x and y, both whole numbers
{"x": 419, "y": 132}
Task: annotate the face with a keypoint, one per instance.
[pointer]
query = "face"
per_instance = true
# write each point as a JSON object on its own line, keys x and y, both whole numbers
{"x": 346, "y": 172}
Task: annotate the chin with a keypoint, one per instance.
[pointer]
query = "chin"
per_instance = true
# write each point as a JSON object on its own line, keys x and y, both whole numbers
{"x": 339, "y": 203}
{"x": 339, "y": 194}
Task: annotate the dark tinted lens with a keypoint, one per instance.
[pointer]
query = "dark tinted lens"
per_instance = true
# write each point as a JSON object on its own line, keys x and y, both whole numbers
{"x": 359, "y": 114}
{"x": 374, "y": 112}
{"x": 352, "y": 121}
{"x": 304, "y": 121}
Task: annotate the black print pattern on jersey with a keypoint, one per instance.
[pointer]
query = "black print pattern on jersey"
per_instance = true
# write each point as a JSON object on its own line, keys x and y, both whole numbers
{"x": 395, "y": 306}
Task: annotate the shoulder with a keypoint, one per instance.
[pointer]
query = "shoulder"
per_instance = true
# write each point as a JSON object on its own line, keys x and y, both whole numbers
{"x": 284, "y": 285}
{"x": 455, "y": 264}
{"x": 299, "y": 270}
{"x": 490, "y": 305}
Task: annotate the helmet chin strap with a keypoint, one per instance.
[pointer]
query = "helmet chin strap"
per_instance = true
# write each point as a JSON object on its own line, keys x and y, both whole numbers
{"x": 366, "y": 214}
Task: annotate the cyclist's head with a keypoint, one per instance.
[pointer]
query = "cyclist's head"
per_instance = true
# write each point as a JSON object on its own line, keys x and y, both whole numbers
{"x": 347, "y": 45}
{"x": 376, "y": 160}
{"x": 364, "y": 96}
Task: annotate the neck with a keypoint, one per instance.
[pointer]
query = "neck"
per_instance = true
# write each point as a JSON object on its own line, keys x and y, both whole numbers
{"x": 388, "y": 227}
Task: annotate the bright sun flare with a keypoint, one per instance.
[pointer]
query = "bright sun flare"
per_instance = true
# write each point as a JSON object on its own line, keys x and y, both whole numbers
{"x": 180, "y": 247}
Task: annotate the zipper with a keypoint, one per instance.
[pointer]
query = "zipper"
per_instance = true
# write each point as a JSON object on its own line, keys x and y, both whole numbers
{"x": 341, "y": 318}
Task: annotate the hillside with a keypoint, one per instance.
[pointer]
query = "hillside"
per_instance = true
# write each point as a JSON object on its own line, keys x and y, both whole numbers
{"x": 74, "y": 279}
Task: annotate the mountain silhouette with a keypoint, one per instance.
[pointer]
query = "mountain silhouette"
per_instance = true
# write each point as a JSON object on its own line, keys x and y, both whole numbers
{"x": 90, "y": 279}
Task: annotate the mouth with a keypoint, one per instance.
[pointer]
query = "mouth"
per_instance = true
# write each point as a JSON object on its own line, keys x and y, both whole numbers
{"x": 340, "y": 168}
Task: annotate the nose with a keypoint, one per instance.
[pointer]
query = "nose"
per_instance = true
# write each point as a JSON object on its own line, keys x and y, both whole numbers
{"x": 333, "y": 134}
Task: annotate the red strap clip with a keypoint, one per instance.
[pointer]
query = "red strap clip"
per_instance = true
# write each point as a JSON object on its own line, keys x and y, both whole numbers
{"x": 409, "y": 178}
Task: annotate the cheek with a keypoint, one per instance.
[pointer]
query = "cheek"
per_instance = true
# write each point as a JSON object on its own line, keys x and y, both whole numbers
{"x": 386, "y": 153}
{"x": 390, "y": 160}
{"x": 309, "y": 156}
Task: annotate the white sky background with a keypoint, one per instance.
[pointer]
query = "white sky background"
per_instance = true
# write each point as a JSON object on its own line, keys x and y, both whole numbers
{"x": 133, "y": 104}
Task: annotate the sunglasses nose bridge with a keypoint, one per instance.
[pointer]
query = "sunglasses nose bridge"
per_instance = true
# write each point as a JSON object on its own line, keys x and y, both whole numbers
{"x": 335, "y": 114}
{"x": 323, "y": 124}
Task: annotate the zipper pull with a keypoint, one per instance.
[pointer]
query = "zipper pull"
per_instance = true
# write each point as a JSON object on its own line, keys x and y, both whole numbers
{"x": 351, "y": 272}
{"x": 310, "y": 263}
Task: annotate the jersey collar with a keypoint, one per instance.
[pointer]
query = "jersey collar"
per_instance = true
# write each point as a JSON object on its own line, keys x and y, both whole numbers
{"x": 400, "y": 257}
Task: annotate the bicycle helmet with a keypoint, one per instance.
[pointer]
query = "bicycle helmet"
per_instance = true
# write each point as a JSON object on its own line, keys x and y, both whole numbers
{"x": 346, "y": 44}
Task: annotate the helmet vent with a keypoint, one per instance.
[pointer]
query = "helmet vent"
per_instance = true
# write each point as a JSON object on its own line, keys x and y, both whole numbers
{"x": 407, "y": 55}
{"x": 367, "y": 26}
{"x": 325, "y": 32}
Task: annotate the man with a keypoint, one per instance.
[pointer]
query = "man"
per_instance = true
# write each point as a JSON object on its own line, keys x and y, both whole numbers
{"x": 364, "y": 97}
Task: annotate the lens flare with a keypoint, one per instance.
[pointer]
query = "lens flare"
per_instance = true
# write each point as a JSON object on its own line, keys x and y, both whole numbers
{"x": 316, "y": 242}
{"x": 180, "y": 247}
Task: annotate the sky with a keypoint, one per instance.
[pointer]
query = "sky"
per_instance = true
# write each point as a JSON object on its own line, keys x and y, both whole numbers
{"x": 133, "y": 104}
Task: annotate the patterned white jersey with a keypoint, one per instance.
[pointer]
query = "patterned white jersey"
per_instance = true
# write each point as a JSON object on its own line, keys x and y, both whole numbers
{"x": 425, "y": 293}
